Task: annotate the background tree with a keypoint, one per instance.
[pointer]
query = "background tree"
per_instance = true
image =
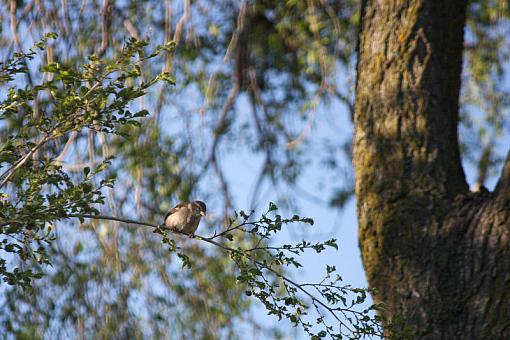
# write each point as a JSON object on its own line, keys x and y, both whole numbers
{"x": 436, "y": 251}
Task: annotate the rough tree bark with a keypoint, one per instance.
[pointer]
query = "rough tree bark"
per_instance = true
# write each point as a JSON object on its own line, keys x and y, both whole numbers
{"x": 438, "y": 254}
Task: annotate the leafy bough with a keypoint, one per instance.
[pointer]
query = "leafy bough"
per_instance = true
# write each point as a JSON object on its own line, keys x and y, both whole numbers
{"x": 322, "y": 309}
{"x": 55, "y": 106}
{"x": 36, "y": 191}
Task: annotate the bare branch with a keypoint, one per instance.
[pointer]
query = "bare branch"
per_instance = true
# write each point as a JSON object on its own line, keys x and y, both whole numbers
{"x": 131, "y": 28}
{"x": 240, "y": 28}
{"x": 105, "y": 25}
{"x": 14, "y": 23}
{"x": 10, "y": 172}
{"x": 503, "y": 186}
{"x": 64, "y": 152}
{"x": 182, "y": 21}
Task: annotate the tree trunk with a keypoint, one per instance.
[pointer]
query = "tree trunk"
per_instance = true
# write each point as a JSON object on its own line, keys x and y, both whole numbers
{"x": 437, "y": 253}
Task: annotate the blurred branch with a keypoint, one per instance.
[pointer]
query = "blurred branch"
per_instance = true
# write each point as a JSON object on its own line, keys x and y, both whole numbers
{"x": 219, "y": 131}
{"x": 347, "y": 101}
{"x": 10, "y": 172}
{"x": 234, "y": 42}
{"x": 14, "y": 23}
{"x": 60, "y": 158}
{"x": 503, "y": 186}
{"x": 105, "y": 25}
{"x": 182, "y": 21}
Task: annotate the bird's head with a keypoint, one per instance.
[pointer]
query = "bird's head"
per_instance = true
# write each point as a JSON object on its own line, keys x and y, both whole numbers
{"x": 200, "y": 207}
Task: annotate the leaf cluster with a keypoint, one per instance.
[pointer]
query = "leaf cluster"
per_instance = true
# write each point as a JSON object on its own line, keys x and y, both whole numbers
{"x": 36, "y": 190}
{"x": 327, "y": 308}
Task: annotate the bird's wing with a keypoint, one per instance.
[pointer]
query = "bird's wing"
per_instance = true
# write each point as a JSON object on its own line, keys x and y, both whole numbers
{"x": 174, "y": 209}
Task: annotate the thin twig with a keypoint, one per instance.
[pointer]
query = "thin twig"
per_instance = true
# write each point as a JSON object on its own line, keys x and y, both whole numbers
{"x": 105, "y": 24}
{"x": 182, "y": 21}
{"x": 241, "y": 21}
{"x": 67, "y": 146}
{"x": 10, "y": 172}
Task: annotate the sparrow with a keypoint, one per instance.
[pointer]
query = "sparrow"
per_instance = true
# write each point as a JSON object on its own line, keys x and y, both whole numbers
{"x": 185, "y": 216}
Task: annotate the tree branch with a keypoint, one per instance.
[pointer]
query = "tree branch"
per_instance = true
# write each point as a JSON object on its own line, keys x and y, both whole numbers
{"x": 503, "y": 186}
{"x": 230, "y": 250}
{"x": 182, "y": 21}
{"x": 10, "y": 172}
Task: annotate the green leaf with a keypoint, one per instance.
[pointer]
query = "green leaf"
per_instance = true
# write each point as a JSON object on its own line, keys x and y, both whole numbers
{"x": 51, "y": 68}
{"x": 166, "y": 77}
{"x": 141, "y": 113}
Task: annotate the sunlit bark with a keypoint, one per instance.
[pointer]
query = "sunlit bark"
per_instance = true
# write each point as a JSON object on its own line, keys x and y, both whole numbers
{"x": 438, "y": 254}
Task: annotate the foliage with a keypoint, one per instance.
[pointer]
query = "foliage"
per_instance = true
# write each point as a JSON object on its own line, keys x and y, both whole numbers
{"x": 325, "y": 308}
{"x": 180, "y": 151}
{"x": 484, "y": 100}
{"x": 252, "y": 78}
{"x": 38, "y": 192}
{"x": 235, "y": 90}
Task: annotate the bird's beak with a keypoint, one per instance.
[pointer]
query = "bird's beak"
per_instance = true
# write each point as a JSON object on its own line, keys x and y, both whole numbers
{"x": 202, "y": 213}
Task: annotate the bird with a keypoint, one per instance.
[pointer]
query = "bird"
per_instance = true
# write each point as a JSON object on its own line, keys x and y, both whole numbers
{"x": 185, "y": 217}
